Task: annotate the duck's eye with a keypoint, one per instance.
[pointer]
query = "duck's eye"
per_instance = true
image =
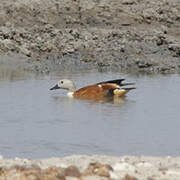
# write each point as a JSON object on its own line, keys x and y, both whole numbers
{"x": 61, "y": 82}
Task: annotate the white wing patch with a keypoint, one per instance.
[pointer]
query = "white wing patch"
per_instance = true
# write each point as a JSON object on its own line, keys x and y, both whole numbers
{"x": 70, "y": 94}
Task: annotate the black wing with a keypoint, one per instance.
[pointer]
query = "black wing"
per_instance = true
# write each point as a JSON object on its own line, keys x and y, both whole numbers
{"x": 117, "y": 81}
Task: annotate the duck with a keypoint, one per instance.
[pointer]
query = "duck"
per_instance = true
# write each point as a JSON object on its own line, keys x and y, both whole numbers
{"x": 105, "y": 89}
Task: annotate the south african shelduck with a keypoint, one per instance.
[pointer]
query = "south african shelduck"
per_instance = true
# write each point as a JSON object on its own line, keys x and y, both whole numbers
{"x": 100, "y": 90}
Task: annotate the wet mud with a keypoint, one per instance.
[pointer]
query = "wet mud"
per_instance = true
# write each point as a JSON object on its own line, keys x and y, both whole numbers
{"x": 134, "y": 36}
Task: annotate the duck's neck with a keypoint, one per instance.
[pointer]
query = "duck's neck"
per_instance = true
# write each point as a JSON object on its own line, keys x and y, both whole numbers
{"x": 71, "y": 90}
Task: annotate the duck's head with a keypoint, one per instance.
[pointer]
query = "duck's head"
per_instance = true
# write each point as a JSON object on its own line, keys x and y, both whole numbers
{"x": 65, "y": 84}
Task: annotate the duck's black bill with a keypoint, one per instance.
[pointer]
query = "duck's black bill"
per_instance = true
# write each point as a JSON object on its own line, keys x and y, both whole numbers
{"x": 55, "y": 87}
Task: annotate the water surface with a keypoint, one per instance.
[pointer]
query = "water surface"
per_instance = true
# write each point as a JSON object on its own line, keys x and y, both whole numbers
{"x": 37, "y": 123}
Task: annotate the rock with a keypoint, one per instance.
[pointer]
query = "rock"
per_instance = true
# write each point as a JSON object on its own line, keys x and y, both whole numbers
{"x": 148, "y": 14}
{"x": 48, "y": 28}
{"x": 92, "y": 168}
{"x": 53, "y": 172}
{"x": 24, "y": 50}
{"x": 98, "y": 169}
{"x": 175, "y": 47}
{"x": 143, "y": 64}
{"x": 128, "y": 2}
{"x": 72, "y": 171}
{"x": 103, "y": 171}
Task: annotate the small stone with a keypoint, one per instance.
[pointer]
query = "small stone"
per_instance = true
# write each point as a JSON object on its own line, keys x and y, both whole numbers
{"x": 1, "y": 157}
{"x": 98, "y": 169}
{"x": 123, "y": 166}
{"x": 113, "y": 175}
{"x": 5, "y": 30}
{"x": 109, "y": 167}
{"x": 144, "y": 164}
{"x": 92, "y": 168}
{"x": 25, "y": 161}
{"x": 8, "y": 44}
{"x": 28, "y": 176}
{"x": 94, "y": 177}
{"x": 8, "y": 24}
{"x": 53, "y": 172}
{"x": 128, "y": 177}
{"x": 25, "y": 51}
{"x": 175, "y": 47}
{"x": 142, "y": 64}
{"x": 71, "y": 178}
{"x": 173, "y": 172}
{"x": 128, "y": 2}
{"x": 150, "y": 178}
{"x": 17, "y": 159}
{"x": 103, "y": 171}
{"x": 163, "y": 169}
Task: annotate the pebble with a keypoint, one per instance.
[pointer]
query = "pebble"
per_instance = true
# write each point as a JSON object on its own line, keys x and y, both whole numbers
{"x": 128, "y": 2}
{"x": 93, "y": 177}
{"x": 144, "y": 164}
{"x": 123, "y": 167}
{"x": 17, "y": 159}
{"x": 1, "y": 157}
{"x": 71, "y": 178}
{"x": 173, "y": 172}
{"x": 113, "y": 175}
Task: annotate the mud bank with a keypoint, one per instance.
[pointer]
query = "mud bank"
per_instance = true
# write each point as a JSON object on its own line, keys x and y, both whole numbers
{"x": 129, "y": 35}
{"x": 92, "y": 167}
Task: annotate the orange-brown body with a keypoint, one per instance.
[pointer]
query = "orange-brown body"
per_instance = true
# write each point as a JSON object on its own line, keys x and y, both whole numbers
{"x": 99, "y": 91}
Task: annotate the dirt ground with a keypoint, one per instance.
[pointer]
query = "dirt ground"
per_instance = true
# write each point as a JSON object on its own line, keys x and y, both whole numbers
{"x": 134, "y": 36}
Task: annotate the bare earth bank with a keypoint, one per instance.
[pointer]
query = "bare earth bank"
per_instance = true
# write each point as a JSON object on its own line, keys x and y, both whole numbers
{"x": 128, "y": 35}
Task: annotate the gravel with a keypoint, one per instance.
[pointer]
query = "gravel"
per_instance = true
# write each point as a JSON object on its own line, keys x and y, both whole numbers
{"x": 93, "y": 167}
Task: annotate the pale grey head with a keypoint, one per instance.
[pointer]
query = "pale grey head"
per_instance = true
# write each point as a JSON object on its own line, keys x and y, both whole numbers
{"x": 65, "y": 84}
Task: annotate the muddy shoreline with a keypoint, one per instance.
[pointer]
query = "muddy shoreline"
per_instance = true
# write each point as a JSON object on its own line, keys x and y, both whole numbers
{"x": 132, "y": 36}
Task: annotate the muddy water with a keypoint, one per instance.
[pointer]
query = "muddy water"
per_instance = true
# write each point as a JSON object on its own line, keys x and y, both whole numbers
{"x": 36, "y": 122}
